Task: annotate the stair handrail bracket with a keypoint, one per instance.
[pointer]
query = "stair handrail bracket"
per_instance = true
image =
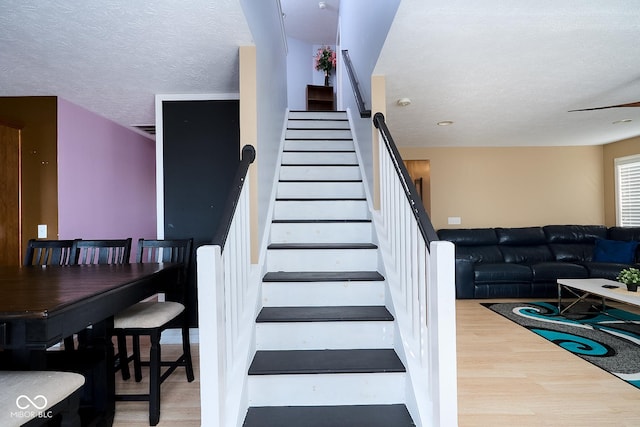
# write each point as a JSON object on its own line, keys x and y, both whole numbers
{"x": 227, "y": 299}
{"x": 420, "y": 274}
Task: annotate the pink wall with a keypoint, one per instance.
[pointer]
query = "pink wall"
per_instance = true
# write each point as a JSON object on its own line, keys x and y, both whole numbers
{"x": 106, "y": 178}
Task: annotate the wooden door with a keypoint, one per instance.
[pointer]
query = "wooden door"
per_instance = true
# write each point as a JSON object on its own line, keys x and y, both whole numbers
{"x": 420, "y": 172}
{"x": 10, "y": 230}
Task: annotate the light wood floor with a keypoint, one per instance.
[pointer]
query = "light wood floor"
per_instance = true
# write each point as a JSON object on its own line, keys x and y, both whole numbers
{"x": 507, "y": 376}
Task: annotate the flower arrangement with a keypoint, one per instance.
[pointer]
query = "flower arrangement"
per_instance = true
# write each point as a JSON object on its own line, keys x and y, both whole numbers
{"x": 325, "y": 61}
{"x": 630, "y": 277}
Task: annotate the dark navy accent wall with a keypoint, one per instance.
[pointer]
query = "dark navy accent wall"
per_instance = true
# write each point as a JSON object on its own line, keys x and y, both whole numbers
{"x": 201, "y": 145}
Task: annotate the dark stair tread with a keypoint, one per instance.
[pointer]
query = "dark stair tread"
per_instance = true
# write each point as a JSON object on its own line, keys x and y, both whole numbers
{"x": 322, "y": 276}
{"x": 287, "y": 362}
{"x": 371, "y": 313}
{"x": 322, "y": 246}
{"x": 316, "y": 221}
{"x": 395, "y": 415}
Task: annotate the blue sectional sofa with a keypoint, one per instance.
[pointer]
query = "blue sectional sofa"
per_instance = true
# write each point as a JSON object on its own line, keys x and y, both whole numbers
{"x": 526, "y": 262}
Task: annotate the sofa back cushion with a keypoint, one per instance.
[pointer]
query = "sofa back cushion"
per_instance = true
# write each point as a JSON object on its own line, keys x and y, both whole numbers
{"x": 574, "y": 233}
{"x": 473, "y": 244}
{"x": 479, "y": 254}
{"x": 522, "y": 236}
{"x": 523, "y": 245}
{"x": 573, "y": 243}
{"x": 469, "y": 236}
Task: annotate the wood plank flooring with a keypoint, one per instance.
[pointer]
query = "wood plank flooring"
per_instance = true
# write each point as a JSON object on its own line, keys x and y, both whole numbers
{"x": 507, "y": 376}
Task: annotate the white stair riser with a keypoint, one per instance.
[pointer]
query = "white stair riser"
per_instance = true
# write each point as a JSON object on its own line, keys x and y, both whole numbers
{"x": 324, "y": 335}
{"x": 318, "y": 145}
{"x": 336, "y": 158}
{"x": 322, "y": 260}
{"x": 321, "y": 209}
{"x": 318, "y": 124}
{"x": 321, "y": 232}
{"x": 326, "y": 389}
{"x": 335, "y": 173}
{"x": 321, "y": 190}
{"x": 317, "y": 294}
{"x": 318, "y": 115}
{"x": 317, "y": 134}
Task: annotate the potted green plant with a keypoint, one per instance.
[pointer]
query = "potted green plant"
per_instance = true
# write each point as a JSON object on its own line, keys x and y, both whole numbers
{"x": 630, "y": 277}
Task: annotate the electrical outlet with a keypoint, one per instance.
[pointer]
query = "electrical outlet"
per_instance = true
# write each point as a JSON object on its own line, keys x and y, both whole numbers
{"x": 42, "y": 231}
{"x": 454, "y": 220}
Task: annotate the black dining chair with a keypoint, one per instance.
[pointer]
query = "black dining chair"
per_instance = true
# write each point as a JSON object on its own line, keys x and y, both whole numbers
{"x": 109, "y": 251}
{"x": 106, "y": 251}
{"x": 49, "y": 252}
{"x": 150, "y": 318}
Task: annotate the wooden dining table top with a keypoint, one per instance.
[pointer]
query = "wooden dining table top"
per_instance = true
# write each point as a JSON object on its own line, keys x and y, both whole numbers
{"x": 40, "y": 291}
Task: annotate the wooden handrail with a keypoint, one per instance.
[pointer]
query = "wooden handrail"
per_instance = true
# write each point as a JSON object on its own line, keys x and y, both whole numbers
{"x": 364, "y": 113}
{"x": 248, "y": 156}
{"x": 420, "y": 214}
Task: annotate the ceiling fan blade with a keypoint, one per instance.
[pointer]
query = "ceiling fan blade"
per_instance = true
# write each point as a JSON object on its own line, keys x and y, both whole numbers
{"x": 630, "y": 104}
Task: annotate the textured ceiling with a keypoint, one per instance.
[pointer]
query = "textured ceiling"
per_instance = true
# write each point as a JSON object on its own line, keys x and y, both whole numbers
{"x": 113, "y": 56}
{"x": 504, "y": 71}
{"x": 507, "y": 72}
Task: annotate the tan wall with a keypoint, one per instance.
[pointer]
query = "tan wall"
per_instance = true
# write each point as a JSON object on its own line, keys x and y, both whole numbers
{"x": 37, "y": 117}
{"x": 514, "y": 186}
{"x": 624, "y": 148}
{"x": 249, "y": 132}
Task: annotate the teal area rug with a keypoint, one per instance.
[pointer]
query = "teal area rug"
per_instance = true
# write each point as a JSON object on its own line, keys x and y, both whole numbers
{"x": 610, "y": 341}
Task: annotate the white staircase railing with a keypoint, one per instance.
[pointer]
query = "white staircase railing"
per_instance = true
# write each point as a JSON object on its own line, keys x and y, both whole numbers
{"x": 421, "y": 276}
{"x": 227, "y": 297}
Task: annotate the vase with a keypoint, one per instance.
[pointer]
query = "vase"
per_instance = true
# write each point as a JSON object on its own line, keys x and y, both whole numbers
{"x": 632, "y": 287}
{"x": 326, "y": 78}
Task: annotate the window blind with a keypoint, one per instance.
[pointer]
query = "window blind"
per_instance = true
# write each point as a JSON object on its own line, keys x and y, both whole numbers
{"x": 628, "y": 191}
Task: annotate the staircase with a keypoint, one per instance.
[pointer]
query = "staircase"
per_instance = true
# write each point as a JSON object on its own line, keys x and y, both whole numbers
{"x": 324, "y": 339}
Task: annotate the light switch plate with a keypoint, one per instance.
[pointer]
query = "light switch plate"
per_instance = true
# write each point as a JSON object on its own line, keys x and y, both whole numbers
{"x": 454, "y": 220}
{"x": 42, "y": 231}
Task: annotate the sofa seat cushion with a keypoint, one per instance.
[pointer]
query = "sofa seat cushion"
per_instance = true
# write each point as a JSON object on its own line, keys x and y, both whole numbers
{"x": 551, "y": 271}
{"x": 605, "y": 270}
{"x": 502, "y": 273}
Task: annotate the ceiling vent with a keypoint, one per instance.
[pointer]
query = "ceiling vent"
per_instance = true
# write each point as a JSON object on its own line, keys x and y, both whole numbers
{"x": 150, "y": 129}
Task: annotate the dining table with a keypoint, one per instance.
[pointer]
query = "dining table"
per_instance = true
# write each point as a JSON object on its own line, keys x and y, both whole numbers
{"x": 42, "y": 305}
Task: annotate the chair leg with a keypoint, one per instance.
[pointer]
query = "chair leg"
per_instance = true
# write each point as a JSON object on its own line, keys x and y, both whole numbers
{"x": 154, "y": 379}
{"x": 186, "y": 351}
{"x": 123, "y": 356}
{"x": 137, "y": 361}
{"x": 69, "y": 345}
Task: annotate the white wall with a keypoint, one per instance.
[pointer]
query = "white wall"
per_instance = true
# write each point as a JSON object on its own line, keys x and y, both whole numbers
{"x": 299, "y": 73}
{"x": 263, "y": 18}
{"x": 364, "y": 25}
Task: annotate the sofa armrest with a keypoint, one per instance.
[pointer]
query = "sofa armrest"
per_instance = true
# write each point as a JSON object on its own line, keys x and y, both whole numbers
{"x": 465, "y": 284}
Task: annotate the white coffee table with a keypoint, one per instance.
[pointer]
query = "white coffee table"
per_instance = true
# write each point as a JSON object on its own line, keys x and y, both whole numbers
{"x": 602, "y": 288}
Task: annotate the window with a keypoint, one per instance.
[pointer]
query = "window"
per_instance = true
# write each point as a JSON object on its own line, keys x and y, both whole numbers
{"x": 628, "y": 191}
